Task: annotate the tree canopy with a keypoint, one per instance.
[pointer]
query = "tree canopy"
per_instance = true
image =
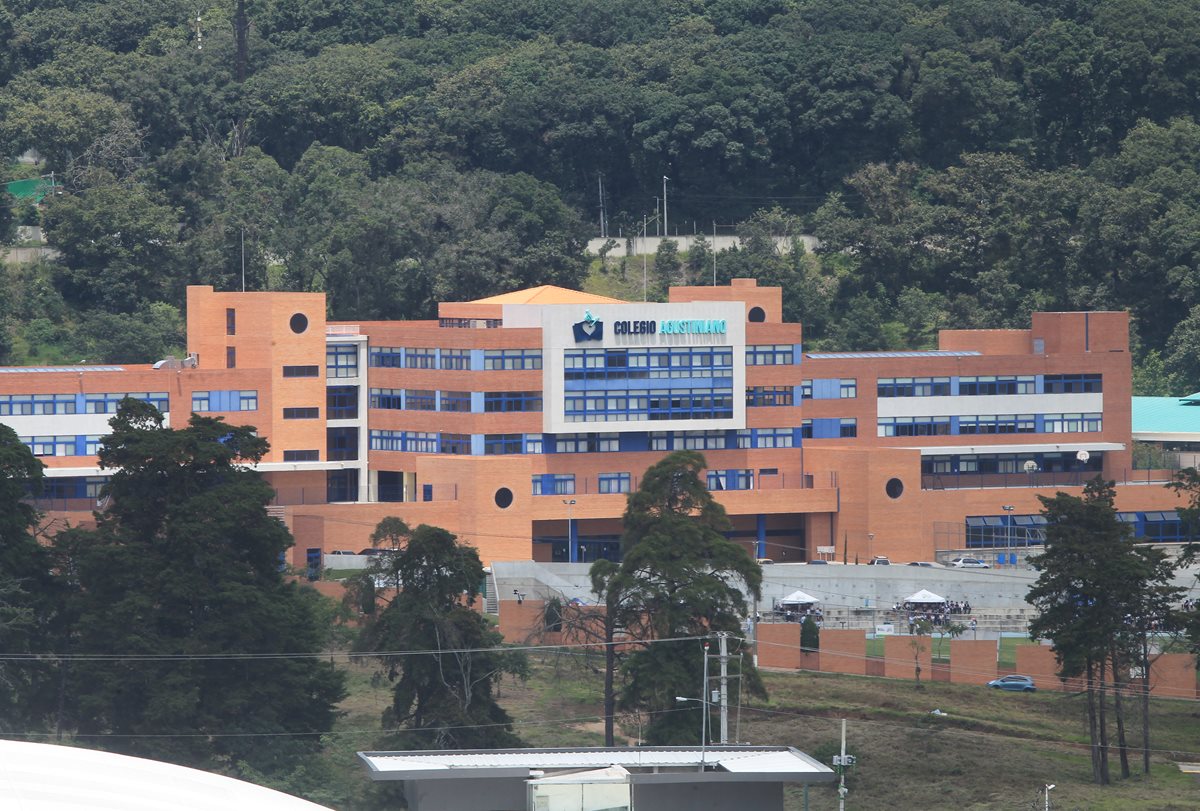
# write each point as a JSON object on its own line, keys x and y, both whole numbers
{"x": 445, "y": 686}
{"x": 181, "y": 582}
{"x": 680, "y": 578}
{"x": 962, "y": 163}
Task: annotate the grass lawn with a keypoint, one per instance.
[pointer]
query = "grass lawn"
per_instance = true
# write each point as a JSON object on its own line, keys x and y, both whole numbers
{"x": 990, "y": 750}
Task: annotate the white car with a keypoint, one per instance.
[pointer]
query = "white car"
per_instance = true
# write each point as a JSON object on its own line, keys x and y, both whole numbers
{"x": 969, "y": 563}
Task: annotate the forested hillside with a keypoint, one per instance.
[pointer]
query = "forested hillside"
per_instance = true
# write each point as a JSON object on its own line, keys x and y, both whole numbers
{"x": 963, "y": 162}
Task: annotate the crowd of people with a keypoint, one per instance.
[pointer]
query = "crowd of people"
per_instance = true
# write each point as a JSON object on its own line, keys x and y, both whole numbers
{"x": 936, "y": 614}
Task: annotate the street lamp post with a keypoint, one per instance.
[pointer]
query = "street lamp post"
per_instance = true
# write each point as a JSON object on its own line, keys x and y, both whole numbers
{"x": 572, "y": 546}
{"x": 1049, "y": 786}
{"x": 1008, "y": 508}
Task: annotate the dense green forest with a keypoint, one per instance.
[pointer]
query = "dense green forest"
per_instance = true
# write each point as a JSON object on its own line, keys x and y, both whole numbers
{"x": 963, "y": 162}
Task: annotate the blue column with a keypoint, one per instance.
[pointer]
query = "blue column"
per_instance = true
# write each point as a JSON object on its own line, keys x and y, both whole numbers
{"x": 762, "y": 535}
{"x": 573, "y": 539}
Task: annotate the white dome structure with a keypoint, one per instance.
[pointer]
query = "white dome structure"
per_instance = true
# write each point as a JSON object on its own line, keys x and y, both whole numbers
{"x": 45, "y": 777}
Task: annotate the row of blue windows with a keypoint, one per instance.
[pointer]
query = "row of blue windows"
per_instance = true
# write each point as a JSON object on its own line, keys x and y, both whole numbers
{"x": 659, "y": 404}
{"x": 645, "y": 364}
{"x": 13, "y": 405}
{"x": 72, "y": 445}
{"x": 398, "y": 357}
{"x": 1003, "y": 531}
{"x": 497, "y": 444}
{"x": 770, "y": 396}
{"x": 991, "y": 424}
{"x": 478, "y": 402}
{"x": 988, "y": 385}
{"x": 563, "y": 484}
{"x": 203, "y": 401}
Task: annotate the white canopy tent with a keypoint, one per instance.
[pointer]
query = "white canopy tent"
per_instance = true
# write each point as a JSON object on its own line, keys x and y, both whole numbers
{"x": 924, "y": 596}
{"x": 798, "y": 597}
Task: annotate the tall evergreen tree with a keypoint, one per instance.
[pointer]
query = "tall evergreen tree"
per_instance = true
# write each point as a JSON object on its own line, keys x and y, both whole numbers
{"x": 1093, "y": 594}
{"x": 203, "y": 654}
{"x": 445, "y": 689}
{"x": 27, "y": 604}
{"x": 679, "y": 577}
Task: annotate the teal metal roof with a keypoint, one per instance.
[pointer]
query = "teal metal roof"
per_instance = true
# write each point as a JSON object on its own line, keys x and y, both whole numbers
{"x": 1166, "y": 415}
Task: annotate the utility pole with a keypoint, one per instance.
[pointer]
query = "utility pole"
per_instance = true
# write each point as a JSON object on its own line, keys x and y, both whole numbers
{"x": 723, "y": 641}
{"x": 603, "y": 219}
{"x": 714, "y": 253}
{"x": 666, "y": 231}
{"x": 842, "y": 784}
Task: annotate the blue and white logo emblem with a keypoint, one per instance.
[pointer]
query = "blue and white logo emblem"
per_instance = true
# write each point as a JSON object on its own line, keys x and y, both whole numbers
{"x": 589, "y": 329}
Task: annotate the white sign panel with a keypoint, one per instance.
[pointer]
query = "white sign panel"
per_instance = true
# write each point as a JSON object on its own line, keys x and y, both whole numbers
{"x": 627, "y": 326}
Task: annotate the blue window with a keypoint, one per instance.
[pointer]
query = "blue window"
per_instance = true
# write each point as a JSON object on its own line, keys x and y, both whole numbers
{"x": 387, "y": 398}
{"x": 534, "y": 443}
{"x": 21, "y": 404}
{"x": 848, "y": 427}
{"x": 224, "y": 401}
{"x": 341, "y": 402}
{"x": 769, "y": 355}
{"x": 1072, "y": 384}
{"x": 997, "y": 384}
{"x": 341, "y": 360}
{"x": 500, "y": 444}
{"x": 73, "y": 487}
{"x": 301, "y": 371}
{"x": 586, "y": 443}
{"x": 998, "y": 424}
{"x": 387, "y": 357}
{"x": 456, "y": 359}
{"x": 409, "y": 441}
{"x": 764, "y": 396}
{"x": 554, "y": 484}
{"x": 661, "y": 441}
{"x": 914, "y": 426}
{"x": 806, "y": 429}
{"x": 512, "y": 359}
{"x": 456, "y": 444}
{"x": 650, "y": 363}
{"x": 302, "y": 456}
{"x": 342, "y": 444}
{"x": 107, "y": 403}
{"x": 503, "y": 401}
{"x": 57, "y": 445}
{"x": 703, "y": 440}
{"x": 456, "y": 401}
{"x": 301, "y": 413}
{"x": 1073, "y": 423}
{"x": 420, "y": 358}
{"x": 420, "y": 400}
{"x": 848, "y": 389}
{"x": 730, "y": 479}
{"x": 913, "y": 387}
{"x": 614, "y": 482}
{"x": 806, "y": 389}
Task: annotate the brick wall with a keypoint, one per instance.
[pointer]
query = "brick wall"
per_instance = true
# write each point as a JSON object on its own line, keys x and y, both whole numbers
{"x": 973, "y": 661}
{"x": 898, "y": 658}
{"x": 843, "y": 651}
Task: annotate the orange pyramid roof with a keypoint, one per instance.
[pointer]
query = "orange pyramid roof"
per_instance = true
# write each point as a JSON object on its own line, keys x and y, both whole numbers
{"x": 547, "y": 294}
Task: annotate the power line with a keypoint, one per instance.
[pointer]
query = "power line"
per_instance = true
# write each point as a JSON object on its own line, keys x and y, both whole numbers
{"x": 347, "y": 655}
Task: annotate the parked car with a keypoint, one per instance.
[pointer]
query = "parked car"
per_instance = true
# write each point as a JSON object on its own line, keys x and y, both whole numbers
{"x": 879, "y": 560}
{"x": 969, "y": 563}
{"x": 818, "y": 563}
{"x": 339, "y": 552}
{"x": 1017, "y": 684}
{"x": 926, "y": 564}
{"x": 763, "y": 561}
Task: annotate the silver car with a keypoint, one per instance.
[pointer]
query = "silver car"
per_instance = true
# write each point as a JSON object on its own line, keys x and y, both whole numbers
{"x": 969, "y": 563}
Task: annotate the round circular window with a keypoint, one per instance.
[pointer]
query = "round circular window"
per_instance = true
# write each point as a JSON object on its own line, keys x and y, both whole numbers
{"x": 504, "y": 498}
{"x": 299, "y": 323}
{"x": 894, "y": 488}
{"x": 757, "y": 315}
